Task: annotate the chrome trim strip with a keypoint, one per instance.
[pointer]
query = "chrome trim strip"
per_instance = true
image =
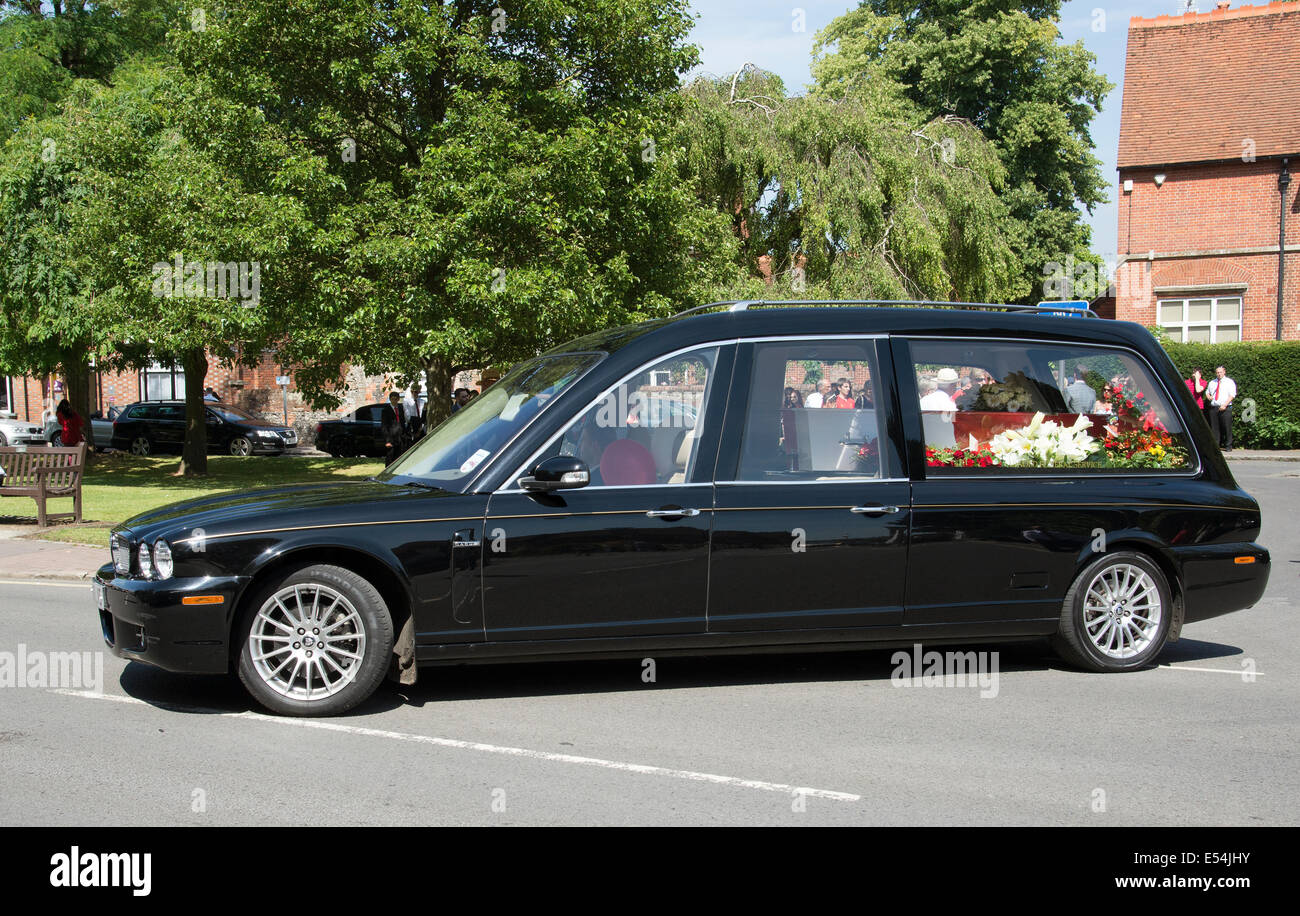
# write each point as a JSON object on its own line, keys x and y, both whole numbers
{"x": 407, "y": 521}
{"x": 793, "y": 483}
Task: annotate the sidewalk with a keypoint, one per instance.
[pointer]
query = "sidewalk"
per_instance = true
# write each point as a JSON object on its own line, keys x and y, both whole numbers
{"x": 1246, "y": 454}
{"x": 31, "y": 559}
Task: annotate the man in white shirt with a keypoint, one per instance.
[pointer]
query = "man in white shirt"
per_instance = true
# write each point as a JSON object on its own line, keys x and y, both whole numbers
{"x": 818, "y": 397}
{"x": 1221, "y": 392}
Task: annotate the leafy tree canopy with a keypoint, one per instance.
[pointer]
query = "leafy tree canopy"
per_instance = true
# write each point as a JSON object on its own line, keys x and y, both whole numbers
{"x": 1002, "y": 67}
{"x": 497, "y": 183}
{"x": 855, "y": 196}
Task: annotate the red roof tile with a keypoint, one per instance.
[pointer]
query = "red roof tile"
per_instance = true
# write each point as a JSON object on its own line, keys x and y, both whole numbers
{"x": 1197, "y": 87}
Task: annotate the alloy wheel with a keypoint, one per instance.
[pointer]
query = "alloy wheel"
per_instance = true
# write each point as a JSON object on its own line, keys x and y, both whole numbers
{"x": 307, "y": 642}
{"x": 1122, "y": 610}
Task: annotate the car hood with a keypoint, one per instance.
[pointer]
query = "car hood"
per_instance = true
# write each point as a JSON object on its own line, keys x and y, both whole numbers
{"x": 277, "y": 507}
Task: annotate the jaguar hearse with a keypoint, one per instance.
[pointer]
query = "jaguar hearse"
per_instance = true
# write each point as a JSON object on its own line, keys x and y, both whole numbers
{"x": 746, "y": 476}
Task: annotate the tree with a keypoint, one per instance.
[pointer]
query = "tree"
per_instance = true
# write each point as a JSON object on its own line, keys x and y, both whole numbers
{"x": 497, "y": 182}
{"x": 855, "y": 197}
{"x": 1000, "y": 66}
{"x": 164, "y": 240}
{"x": 45, "y": 49}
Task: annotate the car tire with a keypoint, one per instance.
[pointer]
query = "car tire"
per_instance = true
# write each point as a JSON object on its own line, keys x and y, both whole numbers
{"x": 56, "y": 440}
{"x": 281, "y": 662}
{"x": 1116, "y": 615}
{"x": 241, "y": 447}
{"x": 4, "y": 443}
{"x": 141, "y": 446}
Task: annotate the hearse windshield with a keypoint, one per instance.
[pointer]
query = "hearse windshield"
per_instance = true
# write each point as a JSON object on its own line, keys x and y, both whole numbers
{"x": 450, "y": 455}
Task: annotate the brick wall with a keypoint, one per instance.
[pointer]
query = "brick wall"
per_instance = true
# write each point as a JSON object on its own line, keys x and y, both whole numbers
{"x": 1191, "y": 232}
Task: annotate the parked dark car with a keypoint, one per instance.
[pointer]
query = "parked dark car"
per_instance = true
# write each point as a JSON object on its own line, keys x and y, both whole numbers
{"x": 358, "y": 434}
{"x": 159, "y": 426}
{"x": 547, "y": 520}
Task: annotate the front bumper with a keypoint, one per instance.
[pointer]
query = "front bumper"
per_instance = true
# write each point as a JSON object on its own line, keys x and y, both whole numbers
{"x": 149, "y": 621}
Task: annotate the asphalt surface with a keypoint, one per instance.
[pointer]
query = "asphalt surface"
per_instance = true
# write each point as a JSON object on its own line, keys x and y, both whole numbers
{"x": 780, "y": 740}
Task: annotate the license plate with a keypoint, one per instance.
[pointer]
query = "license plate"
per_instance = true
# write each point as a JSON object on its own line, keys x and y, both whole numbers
{"x": 101, "y": 595}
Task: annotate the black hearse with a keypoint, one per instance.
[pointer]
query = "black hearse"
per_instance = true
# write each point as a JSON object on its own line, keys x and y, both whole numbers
{"x": 741, "y": 477}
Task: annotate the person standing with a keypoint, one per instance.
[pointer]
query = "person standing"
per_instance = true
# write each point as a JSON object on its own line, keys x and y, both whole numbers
{"x": 392, "y": 423}
{"x": 1198, "y": 386}
{"x": 1221, "y": 391}
{"x": 844, "y": 394}
{"x": 818, "y": 396}
{"x": 70, "y": 422}
{"x": 1079, "y": 394}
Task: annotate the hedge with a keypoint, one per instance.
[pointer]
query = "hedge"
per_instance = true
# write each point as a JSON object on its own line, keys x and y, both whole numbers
{"x": 1267, "y": 373}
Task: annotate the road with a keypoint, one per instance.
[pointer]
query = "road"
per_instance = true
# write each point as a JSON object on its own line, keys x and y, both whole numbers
{"x": 773, "y": 740}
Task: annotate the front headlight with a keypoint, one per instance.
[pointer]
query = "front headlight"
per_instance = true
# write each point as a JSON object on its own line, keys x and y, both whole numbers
{"x": 146, "y": 561}
{"x": 162, "y": 559}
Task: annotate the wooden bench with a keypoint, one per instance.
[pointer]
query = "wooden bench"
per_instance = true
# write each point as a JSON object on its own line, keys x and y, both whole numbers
{"x": 41, "y": 473}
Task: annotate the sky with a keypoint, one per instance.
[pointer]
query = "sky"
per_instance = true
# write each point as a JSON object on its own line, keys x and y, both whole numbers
{"x": 777, "y": 35}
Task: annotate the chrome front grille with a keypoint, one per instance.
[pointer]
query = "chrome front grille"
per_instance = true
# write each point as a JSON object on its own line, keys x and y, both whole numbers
{"x": 121, "y": 550}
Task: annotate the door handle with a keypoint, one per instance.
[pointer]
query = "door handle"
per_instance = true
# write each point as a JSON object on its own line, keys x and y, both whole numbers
{"x": 672, "y": 513}
{"x": 874, "y": 510}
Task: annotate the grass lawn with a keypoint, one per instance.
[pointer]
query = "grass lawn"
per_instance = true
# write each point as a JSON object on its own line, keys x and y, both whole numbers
{"x": 120, "y": 485}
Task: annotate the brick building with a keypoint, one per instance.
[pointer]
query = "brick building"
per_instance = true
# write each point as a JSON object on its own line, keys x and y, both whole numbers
{"x": 1209, "y": 142}
{"x": 253, "y": 389}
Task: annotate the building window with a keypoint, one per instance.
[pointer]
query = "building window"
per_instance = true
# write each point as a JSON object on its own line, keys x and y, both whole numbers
{"x": 6, "y": 394}
{"x": 1212, "y": 320}
{"x": 162, "y": 383}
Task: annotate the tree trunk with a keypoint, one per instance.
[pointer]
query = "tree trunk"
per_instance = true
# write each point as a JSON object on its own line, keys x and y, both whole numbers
{"x": 77, "y": 374}
{"x": 437, "y": 385}
{"x": 194, "y": 457}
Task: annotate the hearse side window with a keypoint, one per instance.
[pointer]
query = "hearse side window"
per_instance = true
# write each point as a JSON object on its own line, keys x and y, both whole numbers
{"x": 643, "y": 432}
{"x": 1034, "y": 406}
{"x": 812, "y": 412}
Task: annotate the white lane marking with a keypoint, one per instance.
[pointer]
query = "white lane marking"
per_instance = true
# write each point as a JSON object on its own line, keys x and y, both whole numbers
{"x": 84, "y": 583}
{"x": 1236, "y": 671}
{"x": 642, "y": 769}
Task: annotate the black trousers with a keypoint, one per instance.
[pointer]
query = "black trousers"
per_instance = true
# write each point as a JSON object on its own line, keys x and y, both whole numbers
{"x": 1222, "y": 426}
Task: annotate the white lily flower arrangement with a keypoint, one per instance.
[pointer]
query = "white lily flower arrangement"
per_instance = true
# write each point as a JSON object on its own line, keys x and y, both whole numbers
{"x": 1044, "y": 444}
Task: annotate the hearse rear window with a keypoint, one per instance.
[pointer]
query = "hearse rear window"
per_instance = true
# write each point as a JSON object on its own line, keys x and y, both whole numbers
{"x": 1022, "y": 406}
{"x": 812, "y": 412}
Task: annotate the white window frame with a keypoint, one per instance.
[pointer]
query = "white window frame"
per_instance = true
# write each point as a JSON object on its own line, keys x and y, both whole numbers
{"x": 7, "y": 391}
{"x": 1178, "y": 330}
{"x": 176, "y": 374}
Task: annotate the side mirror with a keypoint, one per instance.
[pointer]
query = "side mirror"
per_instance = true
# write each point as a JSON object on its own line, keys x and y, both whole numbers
{"x": 563, "y": 472}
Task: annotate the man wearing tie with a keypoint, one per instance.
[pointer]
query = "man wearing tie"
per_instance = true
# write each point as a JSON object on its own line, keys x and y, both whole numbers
{"x": 392, "y": 422}
{"x": 1221, "y": 392}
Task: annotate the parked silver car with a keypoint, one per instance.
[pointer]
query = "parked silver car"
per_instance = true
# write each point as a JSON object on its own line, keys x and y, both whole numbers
{"x": 19, "y": 432}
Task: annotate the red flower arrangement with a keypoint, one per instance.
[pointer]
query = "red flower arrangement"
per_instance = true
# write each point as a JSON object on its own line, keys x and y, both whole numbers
{"x": 981, "y": 457}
